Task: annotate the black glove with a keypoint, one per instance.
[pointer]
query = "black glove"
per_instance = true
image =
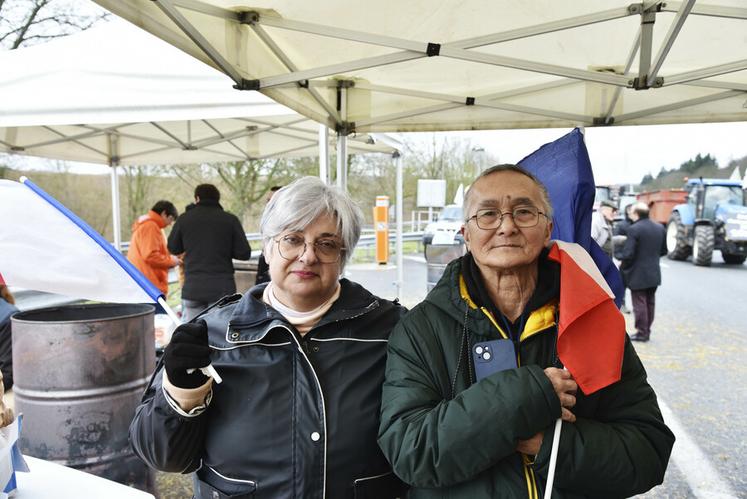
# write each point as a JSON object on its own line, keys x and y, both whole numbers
{"x": 188, "y": 349}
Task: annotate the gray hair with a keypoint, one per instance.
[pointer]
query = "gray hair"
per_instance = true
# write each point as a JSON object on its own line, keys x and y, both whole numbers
{"x": 298, "y": 204}
{"x": 516, "y": 169}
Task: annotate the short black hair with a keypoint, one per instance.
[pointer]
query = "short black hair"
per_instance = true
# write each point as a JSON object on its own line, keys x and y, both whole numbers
{"x": 276, "y": 188}
{"x": 166, "y": 206}
{"x": 207, "y": 191}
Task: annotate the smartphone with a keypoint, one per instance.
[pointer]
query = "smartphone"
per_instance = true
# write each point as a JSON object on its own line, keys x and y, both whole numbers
{"x": 492, "y": 357}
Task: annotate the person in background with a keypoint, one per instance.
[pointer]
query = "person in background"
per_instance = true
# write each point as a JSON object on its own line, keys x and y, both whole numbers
{"x": 302, "y": 359}
{"x": 263, "y": 270}
{"x": 619, "y": 235}
{"x": 453, "y": 428}
{"x": 148, "y": 250}
{"x": 210, "y": 238}
{"x": 601, "y": 226}
{"x": 7, "y": 308}
{"x": 645, "y": 245}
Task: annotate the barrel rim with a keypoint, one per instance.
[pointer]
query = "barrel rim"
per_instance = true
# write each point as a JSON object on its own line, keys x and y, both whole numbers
{"x": 146, "y": 309}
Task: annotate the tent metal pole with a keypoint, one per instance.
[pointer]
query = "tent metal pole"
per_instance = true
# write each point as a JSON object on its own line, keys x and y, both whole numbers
{"x": 342, "y": 140}
{"x": 648, "y": 18}
{"x": 267, "y": 39}
{"x": 399, "y": 247}
{"x": 709, "y": 10}
{"x": 709, "y": 72}
{"x": 334, "y": 69}
{"x": 194, "y": 34}
{"x": 669, "y": 39}
{"x": 620, "y": 119}
{"x": 113, "y": 141}
{"x": 324, "y": 153}
{"x": 342, "y": 162}
{"x": 116, "y": 219}
{"x": 628, "y": 65}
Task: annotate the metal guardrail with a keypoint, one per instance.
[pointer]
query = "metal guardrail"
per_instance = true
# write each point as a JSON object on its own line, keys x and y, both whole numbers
{"x": 368, "y": 238}
{"x": 27, "y": 299}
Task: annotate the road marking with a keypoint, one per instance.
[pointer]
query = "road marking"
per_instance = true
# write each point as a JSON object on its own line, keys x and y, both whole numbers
{"x": 418, "y": 259}
{"x": 703, "y": 479}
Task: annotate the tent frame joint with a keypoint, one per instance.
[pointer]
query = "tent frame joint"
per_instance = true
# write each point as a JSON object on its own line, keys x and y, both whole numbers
{"x": 249, "y": 17}
{"x": 247, "y": 84}
{"x": 641, "y": 83}
{"x": 345, "y": 83}
{"x": 345, "y": 128}
{"x": 603, "y": 121}
{"x": 433, "y": 49}
{"x": 469, "y": 101}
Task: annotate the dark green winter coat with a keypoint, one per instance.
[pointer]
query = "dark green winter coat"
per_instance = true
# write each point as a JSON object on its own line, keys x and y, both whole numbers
{"x": 451, "y": 437}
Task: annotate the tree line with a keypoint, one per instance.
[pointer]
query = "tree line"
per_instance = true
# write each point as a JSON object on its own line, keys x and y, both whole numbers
{"x": 244, "y": 184}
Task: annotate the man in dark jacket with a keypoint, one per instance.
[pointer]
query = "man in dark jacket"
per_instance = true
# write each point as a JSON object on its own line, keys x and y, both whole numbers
{"x": 451, "y": 429}
{"x": 211, "y": 238}
{"x": 646, "y": 243}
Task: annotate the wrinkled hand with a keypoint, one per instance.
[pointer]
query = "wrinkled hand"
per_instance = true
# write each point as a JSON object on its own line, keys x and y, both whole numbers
{"x": 565, "y": 389}
{"x": 530, "y": 447}
{"x": 188, "y": 349}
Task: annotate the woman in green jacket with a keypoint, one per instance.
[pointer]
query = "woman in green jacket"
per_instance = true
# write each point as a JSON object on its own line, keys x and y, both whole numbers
{"x": 452, "y": 429}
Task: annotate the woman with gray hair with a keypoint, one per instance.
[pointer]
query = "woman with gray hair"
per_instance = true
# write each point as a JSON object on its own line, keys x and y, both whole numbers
{"x": 302, "y": 360}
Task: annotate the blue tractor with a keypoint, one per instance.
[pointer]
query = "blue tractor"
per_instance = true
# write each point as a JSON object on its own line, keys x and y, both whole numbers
{"x": 713, "y": 218}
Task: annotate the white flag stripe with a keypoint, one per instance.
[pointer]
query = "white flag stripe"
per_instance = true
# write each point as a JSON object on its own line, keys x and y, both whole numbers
{"x": 585, "y": 263}
{"x": 42, "y": 249}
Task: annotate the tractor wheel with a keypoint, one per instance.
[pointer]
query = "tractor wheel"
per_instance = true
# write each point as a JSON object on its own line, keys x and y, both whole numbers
{"x": 703, "y": 247}
{"x": 677, "y": 246}
{"x": 733, "y": 259}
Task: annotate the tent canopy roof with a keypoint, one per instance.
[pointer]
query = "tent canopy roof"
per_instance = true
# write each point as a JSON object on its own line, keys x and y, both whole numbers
{"x": 115, "y": 94}
{"x": 439, "y": 65}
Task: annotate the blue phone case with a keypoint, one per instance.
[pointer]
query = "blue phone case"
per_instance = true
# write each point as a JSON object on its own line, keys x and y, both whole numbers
{"x": 493, "y": 356}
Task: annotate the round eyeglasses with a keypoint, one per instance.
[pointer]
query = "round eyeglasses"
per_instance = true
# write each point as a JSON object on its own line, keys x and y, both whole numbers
{"x": 327, "y": 250}
{"x": 492, "y": 218}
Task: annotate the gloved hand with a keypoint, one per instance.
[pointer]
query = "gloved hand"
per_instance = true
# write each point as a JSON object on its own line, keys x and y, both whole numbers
{"x": 188, "y": 349}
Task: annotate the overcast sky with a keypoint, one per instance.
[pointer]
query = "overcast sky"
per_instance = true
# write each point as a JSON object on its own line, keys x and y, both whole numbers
{"x": 626, "y": 154}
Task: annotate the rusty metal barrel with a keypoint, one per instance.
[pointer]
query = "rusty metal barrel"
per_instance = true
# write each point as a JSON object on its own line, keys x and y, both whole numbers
{"x": 80, "y": 371}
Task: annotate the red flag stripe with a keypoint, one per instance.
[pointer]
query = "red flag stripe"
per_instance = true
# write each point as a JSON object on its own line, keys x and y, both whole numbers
{"x": 591, "y": 330}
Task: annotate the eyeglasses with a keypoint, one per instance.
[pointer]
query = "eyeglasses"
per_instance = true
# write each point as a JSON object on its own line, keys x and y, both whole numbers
{"x": 327, "y": 250}
{"x": 492, "y": 218}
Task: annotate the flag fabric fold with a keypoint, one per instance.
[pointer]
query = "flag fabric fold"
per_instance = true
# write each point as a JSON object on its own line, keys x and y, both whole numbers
{"x": 591, "y": 329}
{"x": 46, "y": 247}
{"x": 563, "y": 166}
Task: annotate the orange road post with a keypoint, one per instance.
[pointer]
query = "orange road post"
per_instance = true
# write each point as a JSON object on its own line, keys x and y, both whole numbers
{"x": 381, "y": 226}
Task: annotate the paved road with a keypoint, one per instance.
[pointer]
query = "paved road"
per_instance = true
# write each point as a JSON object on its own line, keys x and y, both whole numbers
{"x": 696, "y": 360}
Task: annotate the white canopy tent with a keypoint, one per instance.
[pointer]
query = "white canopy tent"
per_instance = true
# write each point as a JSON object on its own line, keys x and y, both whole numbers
{"x": 439, "y": 65}
{"x": 119, "y": 96}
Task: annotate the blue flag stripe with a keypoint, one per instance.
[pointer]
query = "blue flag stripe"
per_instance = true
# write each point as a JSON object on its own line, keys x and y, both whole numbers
{"x": 130, "y": 269}
{"x": 563, "y": 166}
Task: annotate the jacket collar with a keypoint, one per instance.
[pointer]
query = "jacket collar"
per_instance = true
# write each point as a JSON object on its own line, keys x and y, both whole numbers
{"x": 210, "y": 203}
{"x": 252, "y": 319}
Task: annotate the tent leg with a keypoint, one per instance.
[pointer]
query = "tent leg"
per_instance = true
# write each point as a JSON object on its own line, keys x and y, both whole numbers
{"x": 116, "y": 221}
{"x": 342, "y": 162}
{"x": 398, "y": 241}
{"x": 324, "y": 153}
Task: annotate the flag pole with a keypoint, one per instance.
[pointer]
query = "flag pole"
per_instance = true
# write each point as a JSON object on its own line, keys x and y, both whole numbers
{"x": 553, "y": 458}
{"x": 207, "y": 371}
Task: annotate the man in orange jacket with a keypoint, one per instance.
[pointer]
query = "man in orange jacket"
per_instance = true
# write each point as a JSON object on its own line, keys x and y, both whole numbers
{"x": 148, "y": 250}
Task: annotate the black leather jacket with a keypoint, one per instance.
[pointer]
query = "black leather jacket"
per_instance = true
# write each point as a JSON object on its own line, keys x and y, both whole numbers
{"x": 294, "y": 417}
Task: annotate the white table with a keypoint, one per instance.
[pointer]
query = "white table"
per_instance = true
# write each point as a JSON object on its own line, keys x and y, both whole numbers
{"x": 47, "y": 480}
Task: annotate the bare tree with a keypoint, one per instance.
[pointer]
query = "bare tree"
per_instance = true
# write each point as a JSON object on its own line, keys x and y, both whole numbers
{"x": 28, "y": 22}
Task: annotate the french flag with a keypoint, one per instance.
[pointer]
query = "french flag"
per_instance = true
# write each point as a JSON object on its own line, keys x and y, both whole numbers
{"x": 591, "y": 329}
